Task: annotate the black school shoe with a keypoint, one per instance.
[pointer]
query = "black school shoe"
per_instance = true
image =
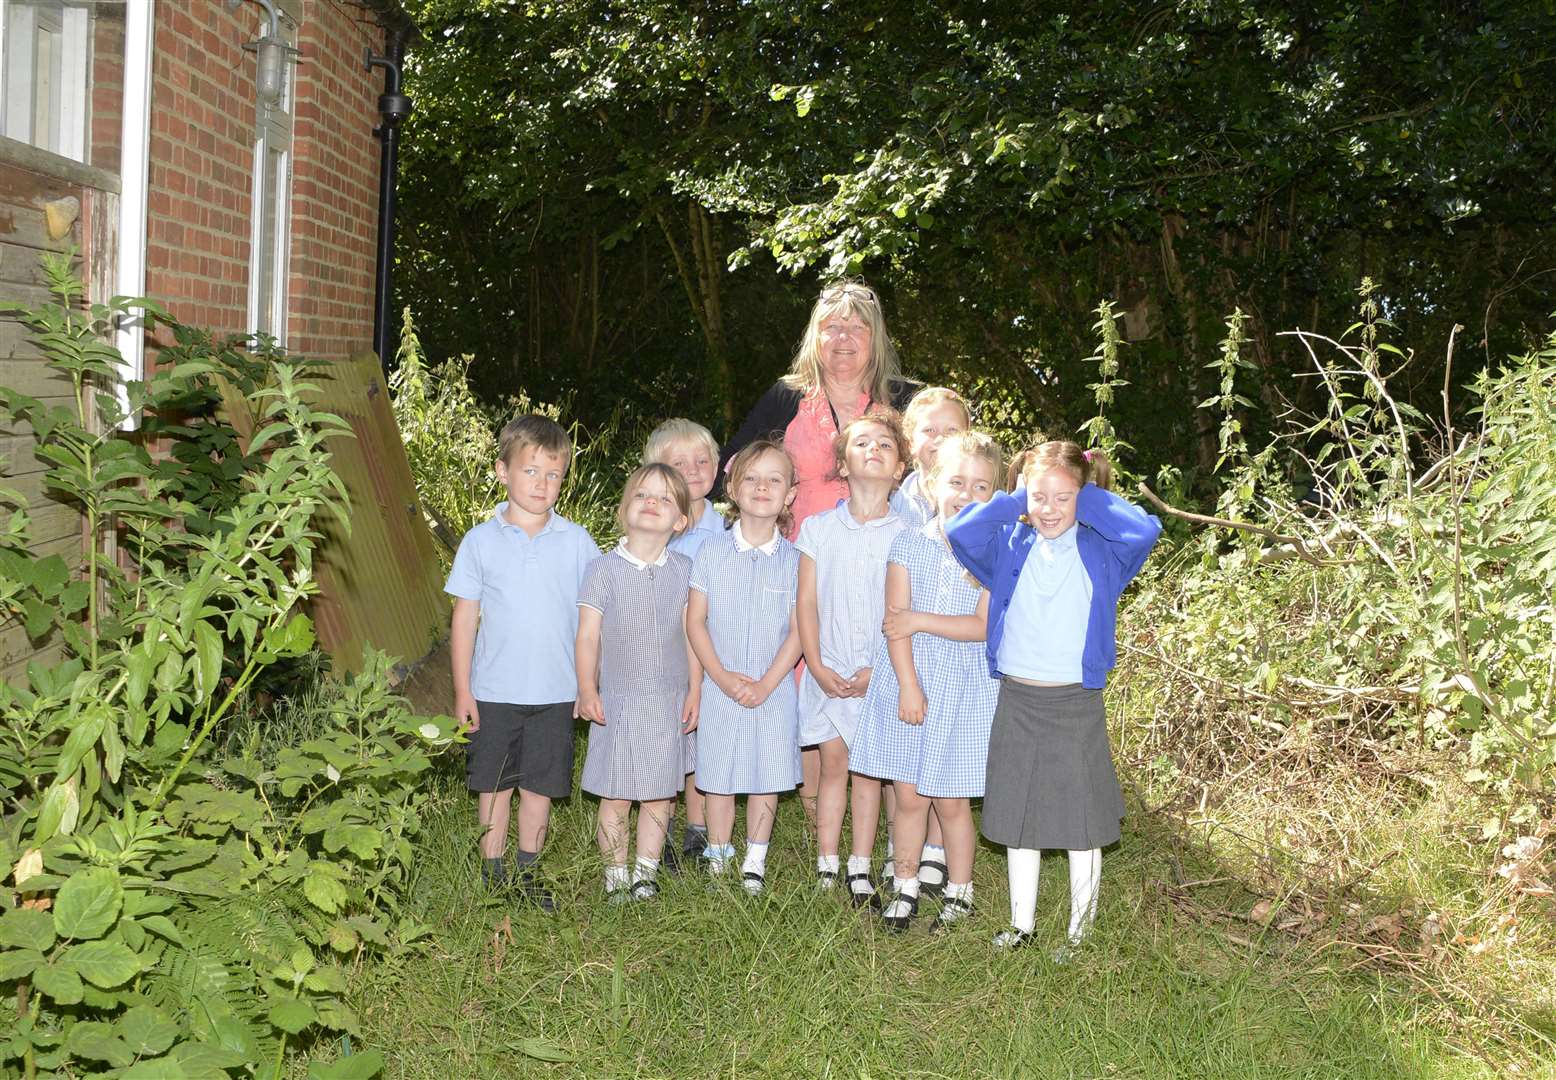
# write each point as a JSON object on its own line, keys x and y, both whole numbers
{"x": 693, "y": 844}
{"x": 670, "y": 858}
{"x": 532, "y": 891}
{"x": 898, "y": 913}
{"x": 952, "y": 911}
{"x": 860, "y": 899}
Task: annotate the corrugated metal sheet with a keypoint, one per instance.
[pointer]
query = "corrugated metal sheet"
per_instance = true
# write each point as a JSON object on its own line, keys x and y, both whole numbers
{"x": 381, "y": 585}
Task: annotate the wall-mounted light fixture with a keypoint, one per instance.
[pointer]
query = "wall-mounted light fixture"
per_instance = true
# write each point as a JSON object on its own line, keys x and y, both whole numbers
{"x": 273, "y": 53}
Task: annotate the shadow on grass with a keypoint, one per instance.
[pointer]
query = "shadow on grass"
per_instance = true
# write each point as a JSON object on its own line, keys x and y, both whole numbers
{"x": 713, "y": 983}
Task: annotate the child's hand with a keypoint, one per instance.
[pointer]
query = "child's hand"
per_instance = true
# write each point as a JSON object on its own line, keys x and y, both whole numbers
{"x": 832, "y": 684}
{"x": 589, "y": 707}
{"x": 899, "y": 624}
{"x": 752, "y": 694}
{"x": 861, "y": 681}
{"x": 732, "y": 683}
{"x": 911, "y": 705}
{"x": 465, "y": 713}
{"x": 689, "y": 712}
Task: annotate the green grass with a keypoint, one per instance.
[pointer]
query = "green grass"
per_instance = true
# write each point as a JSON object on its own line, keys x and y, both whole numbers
{"x": 700, "y": 984}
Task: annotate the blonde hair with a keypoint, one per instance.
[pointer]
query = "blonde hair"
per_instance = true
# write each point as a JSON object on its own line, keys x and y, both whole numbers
{"x": 1087, "y": 466}
{"x": 534, "y": 430}
{"x": 678, "y": 490}
{"x": 676, "y": 430}
{"x": 927, "y": 399}
{"x": 742, "y": 462}
{"x": 846, "y": 298}
{"x": 966, "y": 444}
{"x": 887, "y": 418}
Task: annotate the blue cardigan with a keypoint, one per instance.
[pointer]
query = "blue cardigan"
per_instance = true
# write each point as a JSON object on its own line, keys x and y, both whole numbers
{"x": 1114, "y": 537}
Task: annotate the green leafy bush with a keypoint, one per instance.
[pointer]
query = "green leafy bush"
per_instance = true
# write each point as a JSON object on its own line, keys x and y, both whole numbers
{"x": 167, "y": 913}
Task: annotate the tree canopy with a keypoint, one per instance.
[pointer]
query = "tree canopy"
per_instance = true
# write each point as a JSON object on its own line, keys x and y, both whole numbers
{"x": 634, "y": 200}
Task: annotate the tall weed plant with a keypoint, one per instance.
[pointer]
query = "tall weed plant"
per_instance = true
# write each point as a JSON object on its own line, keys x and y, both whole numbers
{"x": 167, "y": 910}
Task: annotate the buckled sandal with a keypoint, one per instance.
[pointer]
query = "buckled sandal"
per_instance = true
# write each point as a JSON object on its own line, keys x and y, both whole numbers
{"x": 953, "y": 909}
{"x": 753, "y": 883}
{"x": 644, "y": 890}
{"x": 871, "y": 899}
{"x": 1012, "y": 939}
{"x": 932, "y": 889}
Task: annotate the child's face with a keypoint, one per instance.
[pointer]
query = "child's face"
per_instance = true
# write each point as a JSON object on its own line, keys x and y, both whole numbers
{"x": 961, "y": 481}
{"x": 935, "y": 426}
{"x": 652, "y": 509}
{"x": 871, "y": 454}
{"x": 1051, "y": 501}
{"x": 691, "y": 459}
{"x": 533, "y": 477}
{"x": 764, "y": 489}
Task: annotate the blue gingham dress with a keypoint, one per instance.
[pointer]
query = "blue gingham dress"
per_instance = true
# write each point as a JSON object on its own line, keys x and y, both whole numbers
{"x": 638, "y": 753}
{"x": 743, "y": 751}
{"x": 946, "y": 755}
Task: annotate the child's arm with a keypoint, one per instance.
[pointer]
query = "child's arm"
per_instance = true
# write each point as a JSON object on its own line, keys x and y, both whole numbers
{"x": 586, "y": 651}
{"x": 977, "y": 532}
{"x": 910, "y": 695}
{"x": 753, "y": 693}
{"x": 701, "y": 643}
{"x": 809, "y": 618}
{"x": 1129, "y": 530}
{"x": 904, "y": 624}
{"x": 693, "y": 673}
{"x": 461, "y": 648}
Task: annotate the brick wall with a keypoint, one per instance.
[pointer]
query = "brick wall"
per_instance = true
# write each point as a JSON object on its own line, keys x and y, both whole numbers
{"x": 200, "y": 203}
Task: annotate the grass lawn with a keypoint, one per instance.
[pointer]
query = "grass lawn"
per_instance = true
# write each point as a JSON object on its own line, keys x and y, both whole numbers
{"x": 704, "y": 984}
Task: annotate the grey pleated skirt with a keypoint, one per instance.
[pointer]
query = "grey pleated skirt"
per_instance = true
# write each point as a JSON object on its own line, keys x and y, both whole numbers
{"x": 1050, "y": 781}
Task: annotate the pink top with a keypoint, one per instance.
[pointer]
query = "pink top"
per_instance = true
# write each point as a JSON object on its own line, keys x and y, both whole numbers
{"x": 808, "y": 439}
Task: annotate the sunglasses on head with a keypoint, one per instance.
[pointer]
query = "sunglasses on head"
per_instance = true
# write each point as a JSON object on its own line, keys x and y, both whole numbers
{"x": 848, "y": 288}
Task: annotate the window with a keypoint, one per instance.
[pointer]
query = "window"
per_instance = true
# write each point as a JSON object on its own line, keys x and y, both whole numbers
{"x": 270, "y": 235}
{"x": 45, "y": 47}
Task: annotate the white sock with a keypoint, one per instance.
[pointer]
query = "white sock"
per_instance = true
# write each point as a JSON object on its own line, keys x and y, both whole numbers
{"x": 905, "y": 886}
{"x": 755, "y": 861}
{"x": 645, "y": 870}
{"x": 1022, "y": 866}
{"x": 718, "y": 856}
{"x": 959, "y": 891}
{"x": 616, "y": 877}
{"x": 826, "y": 864}
{"x": 931, "y": 875}
{"x": 1085, "y": 881}
{"x": 859, "y": 864}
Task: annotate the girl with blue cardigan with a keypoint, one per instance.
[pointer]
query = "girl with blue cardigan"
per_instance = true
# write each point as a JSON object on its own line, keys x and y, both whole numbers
{"x": 1055, "y": 555}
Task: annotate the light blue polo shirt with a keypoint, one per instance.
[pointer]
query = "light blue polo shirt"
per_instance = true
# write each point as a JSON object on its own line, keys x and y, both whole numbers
{"x": 1045, "y": 629}
{"x": 690, "y": 541}
{"x": 528, "y": 592}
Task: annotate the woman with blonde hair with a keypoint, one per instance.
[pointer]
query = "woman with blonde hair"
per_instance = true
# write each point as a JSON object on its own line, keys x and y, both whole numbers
{"x": 845, "y": 366}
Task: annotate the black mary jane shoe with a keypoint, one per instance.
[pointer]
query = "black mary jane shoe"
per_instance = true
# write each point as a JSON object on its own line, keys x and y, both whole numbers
{"x": 898, "y": 913}
{"x": 932, "y": 890}
{"x": 532, "y": 891}
{"x": 647, "y": 889}
{"x": 953, "y": 909}
{"x": 871, "y": 899}
{"x": 670, "y": 858}
{"x": 753, "y": 883}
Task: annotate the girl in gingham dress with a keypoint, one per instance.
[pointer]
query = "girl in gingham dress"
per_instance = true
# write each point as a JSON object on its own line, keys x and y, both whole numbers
{"x": 936, "y": 414}
{"x": 637, "y": 678}
{"x": 740, "y": 621}
{"x": 928, "y": 711}
{"x": 842, "y": 599}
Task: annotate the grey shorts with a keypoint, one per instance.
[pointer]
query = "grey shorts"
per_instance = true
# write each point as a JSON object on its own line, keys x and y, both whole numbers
{"x": 523, "y": 746}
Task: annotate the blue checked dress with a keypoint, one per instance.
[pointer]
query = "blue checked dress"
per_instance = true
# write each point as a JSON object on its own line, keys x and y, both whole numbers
{"x": 750, "y": 593}
{"x": 638, "y": 753}
{"x": 945, "y": 756}
{"x": 911, "y": 503}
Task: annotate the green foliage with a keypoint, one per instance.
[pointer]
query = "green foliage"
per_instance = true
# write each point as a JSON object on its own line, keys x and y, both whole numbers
{"x": 1403, "y": 601}
{"x": 450, "y": 439}
{"x": 166, "y": 913}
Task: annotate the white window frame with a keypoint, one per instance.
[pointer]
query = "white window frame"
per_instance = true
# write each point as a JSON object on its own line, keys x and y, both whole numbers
{"x": 65, "y": 113}
{"x": 270, "y": 264}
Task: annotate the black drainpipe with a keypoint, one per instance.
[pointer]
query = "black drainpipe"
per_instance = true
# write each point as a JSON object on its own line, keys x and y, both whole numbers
{"x": 393, "y": 107}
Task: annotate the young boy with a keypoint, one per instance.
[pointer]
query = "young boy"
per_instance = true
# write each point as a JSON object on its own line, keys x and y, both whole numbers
{"x": 690, "y": 449}
{"x": 515, "y": 587}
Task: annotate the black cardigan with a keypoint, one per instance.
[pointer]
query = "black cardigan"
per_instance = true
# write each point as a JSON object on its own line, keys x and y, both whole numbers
{"x": 771, "y": 415}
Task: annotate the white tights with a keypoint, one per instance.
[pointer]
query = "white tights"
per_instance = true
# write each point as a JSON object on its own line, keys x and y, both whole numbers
{"x": 1022, "y": 866}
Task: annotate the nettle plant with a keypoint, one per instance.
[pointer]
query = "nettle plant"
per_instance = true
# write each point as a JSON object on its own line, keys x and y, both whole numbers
{"x": 165, "y": 913}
